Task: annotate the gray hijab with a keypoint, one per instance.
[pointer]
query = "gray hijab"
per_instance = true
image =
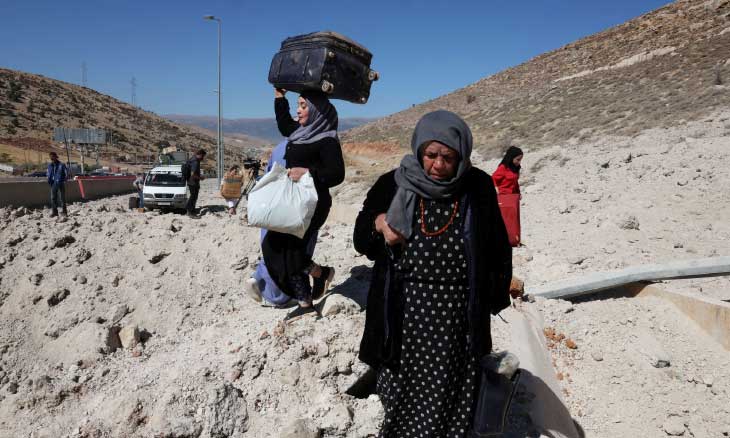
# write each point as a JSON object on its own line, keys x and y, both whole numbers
{"x": 444, "y": 127}
{"x": 321, "y": 122}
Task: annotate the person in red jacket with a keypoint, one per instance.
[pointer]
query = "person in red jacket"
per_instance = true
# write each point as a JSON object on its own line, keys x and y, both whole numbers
{"x": 506, "y": 181}
{"x": 506, "y": 177}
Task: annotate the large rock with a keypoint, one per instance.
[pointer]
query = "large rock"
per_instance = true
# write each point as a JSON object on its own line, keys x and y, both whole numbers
{"x": 173, "y": 415}
{"x": 300, "y": 429}
{"x": 82, "y": 255}
{"x": 226, "y": 414}
{"x": 339, "y": 304}
{"x": 57, "y": 296}
{"x": 674, "y": 426}
{"x": 85, "y": 341}
{"x": 64, "y": 241}
{"x": 338, "y": 419}
{"x": 129, "y": 336}
{"x": 290, "y": 375}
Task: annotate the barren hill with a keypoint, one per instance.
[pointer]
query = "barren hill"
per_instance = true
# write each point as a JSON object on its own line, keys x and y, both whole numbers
{"x": 663, "y": 67}
{"x": 32, "y": 105}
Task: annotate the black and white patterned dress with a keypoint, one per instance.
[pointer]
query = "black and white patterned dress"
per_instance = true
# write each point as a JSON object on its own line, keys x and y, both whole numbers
{"x": 431, "y": 396}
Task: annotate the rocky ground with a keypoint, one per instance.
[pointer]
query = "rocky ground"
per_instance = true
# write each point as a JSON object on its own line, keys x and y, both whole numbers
{"x": 125, "y": 324}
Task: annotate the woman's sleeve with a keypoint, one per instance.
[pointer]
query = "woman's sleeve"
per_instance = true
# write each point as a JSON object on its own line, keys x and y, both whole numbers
{"x": 366, "y": 239}
{"x": 284, "y": 120}
{"x": 498, "y": 176}
{"x": 331, "y": 168}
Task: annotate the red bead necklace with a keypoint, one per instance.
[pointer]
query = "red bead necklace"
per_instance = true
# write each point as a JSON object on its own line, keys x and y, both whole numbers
{"x": 440, "y": 230}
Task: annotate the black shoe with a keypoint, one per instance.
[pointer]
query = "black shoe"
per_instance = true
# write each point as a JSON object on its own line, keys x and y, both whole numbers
{"x": 322, "y": 282}
{"x": 54, "y": 214}
{"x": 192, "y": 215}
{"x": 299, "y": 312}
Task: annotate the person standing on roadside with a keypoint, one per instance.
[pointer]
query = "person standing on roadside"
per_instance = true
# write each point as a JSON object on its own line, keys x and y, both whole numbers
{"x": 507, "y": 176}
{"x": 139, "y": 185}
{"x": 194, "y": 181}
{"x": 507, "y": 183}
{"x": 57, "y": 174}
{"x": 231, "y": 188}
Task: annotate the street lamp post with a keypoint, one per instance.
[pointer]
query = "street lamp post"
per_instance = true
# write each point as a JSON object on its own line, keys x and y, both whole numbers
{"x": 219, "y": 152}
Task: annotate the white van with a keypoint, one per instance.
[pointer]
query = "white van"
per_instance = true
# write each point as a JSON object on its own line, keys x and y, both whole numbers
{"x": 165, "y": 187}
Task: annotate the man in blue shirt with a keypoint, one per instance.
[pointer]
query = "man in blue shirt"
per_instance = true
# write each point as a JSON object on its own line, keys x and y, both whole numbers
{"x": 57, "y": 174}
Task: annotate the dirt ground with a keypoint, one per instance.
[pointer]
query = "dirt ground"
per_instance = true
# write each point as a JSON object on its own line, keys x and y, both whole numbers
{"x": 196, "y": 358}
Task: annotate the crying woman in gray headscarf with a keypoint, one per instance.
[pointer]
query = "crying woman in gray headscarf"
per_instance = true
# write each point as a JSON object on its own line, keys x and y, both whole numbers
{"x": 443, "y": 263}
{"x": 312, "y": 146}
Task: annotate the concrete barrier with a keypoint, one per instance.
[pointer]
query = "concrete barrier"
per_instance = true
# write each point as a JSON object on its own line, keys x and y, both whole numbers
{"x": 34, "y": 194}
{"x": 37, "y": 194}
{"x": 548, "y": 412}
{"x": 712, "y": 315}
{"x": 95, "y": 188}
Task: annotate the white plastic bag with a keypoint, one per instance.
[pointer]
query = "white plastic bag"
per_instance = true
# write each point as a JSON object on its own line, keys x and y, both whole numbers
{"x": 279, "y": 204}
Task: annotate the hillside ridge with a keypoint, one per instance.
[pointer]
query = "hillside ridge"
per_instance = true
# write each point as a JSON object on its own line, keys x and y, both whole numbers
{"x": 662, "y": 67}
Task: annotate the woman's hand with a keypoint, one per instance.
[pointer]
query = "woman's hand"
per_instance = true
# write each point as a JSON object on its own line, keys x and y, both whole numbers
{"x": 295, "y": 173}
{"x": 392, "y": 237}
{"x": 279, "y": 92}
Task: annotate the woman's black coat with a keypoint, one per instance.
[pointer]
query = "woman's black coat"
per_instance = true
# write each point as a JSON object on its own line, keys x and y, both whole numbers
{"x": 489, "y": 256}
{"x": 286, "y": 254}
{"x": 323, "y": 158}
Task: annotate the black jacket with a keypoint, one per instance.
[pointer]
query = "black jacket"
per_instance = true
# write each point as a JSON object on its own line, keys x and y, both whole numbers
{"x": 323, "y": 158}
{"x": 489, "y": 257}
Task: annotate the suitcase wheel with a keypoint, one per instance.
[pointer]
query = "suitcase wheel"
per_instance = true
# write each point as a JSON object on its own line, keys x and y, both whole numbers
{"x": 373, "y": 75}
{"x": 330, "y": 54}
{"x": 327, "y": 87}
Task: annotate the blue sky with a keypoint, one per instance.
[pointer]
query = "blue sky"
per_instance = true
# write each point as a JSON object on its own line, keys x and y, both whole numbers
{"x": 423, "y": 49}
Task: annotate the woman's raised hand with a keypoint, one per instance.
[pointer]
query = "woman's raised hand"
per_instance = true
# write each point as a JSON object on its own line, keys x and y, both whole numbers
{"x": 392, "y": 237}
{"x": 279, "y": 92}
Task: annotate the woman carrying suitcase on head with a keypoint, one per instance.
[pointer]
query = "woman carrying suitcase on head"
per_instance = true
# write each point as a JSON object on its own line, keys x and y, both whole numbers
{"x": 506, "y": 181}
{"x": 313, "y": 146}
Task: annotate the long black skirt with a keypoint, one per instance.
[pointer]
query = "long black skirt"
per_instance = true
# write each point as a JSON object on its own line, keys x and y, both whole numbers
{"x": 287, "y": 259}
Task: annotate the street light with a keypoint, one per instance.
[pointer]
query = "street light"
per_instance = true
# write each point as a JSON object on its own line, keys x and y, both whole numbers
{"x": 219, "y": 152}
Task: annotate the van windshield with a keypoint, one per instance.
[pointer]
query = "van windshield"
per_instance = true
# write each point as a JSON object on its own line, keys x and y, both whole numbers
{"x": 168, "y": 179}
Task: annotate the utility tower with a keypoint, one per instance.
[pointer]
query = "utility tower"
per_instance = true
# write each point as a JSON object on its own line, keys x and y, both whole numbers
{"x": 133, "y": 82}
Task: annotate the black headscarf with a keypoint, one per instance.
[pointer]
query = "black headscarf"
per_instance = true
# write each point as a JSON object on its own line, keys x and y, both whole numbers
{"x": 509, "y": 156}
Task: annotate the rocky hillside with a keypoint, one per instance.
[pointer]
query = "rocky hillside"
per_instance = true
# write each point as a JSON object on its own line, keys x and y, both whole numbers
{"x": 32, "y": 105}
{"x": 666, "y": 66}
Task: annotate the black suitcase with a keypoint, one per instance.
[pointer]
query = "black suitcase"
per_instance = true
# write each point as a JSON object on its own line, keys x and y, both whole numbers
{"x": 133, "y": 202}
{"x": 324, "y": 61}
